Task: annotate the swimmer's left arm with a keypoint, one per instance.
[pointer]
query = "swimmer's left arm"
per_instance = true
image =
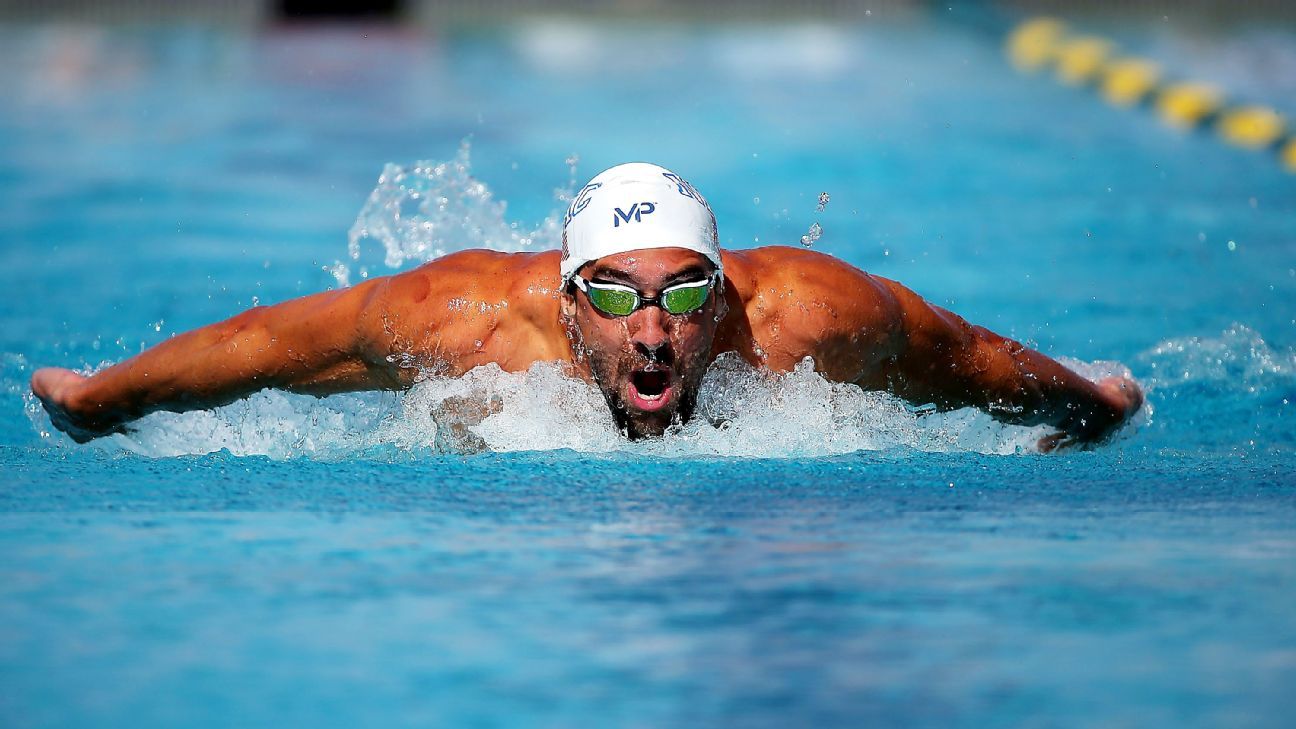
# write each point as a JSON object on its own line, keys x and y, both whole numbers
{"x": 937, "y": 357}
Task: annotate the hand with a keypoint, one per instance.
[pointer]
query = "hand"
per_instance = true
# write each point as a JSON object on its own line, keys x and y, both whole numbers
{"x": 1124, "y": 394}
{"x": 57, "y": 389}
{"x": 453, "y": 417}
{"x": 1121, "y": 395}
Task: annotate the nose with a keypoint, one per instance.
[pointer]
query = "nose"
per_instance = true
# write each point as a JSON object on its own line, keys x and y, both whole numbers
{"x": 648, "y": 330}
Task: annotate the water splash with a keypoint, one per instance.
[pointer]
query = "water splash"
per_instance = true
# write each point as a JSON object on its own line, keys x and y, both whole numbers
{"x": 1239, "y": 360}
{"x": 489, "y": 409}
{"x": 1237, "y": 378}
{"x": 15, "y": 372}
{"x": 742, "y": 411}
{"x": 425, "y": 210}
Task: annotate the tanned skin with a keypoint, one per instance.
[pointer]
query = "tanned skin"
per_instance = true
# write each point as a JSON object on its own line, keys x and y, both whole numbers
{"x": 776, "y": 306}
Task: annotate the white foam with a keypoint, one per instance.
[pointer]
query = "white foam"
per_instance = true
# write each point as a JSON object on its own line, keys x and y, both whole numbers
{"x": 742, "y": 411}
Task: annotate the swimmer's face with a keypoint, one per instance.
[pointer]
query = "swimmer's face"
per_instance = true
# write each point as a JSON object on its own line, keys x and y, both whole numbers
{"x": 649, "y": 364}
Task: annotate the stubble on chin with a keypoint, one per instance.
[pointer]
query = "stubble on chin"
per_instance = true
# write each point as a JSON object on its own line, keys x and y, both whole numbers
{"x": 611, "y": 375}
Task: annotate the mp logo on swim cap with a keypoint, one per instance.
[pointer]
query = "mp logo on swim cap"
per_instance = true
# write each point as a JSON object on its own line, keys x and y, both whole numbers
{"x": 637, "y": 211}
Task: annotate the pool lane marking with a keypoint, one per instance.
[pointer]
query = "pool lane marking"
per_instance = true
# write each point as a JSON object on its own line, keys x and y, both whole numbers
{"x": 1041, "y": 44}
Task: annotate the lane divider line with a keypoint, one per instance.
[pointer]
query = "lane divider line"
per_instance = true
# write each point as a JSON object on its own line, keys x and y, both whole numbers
{"x": 1044, "y": 44}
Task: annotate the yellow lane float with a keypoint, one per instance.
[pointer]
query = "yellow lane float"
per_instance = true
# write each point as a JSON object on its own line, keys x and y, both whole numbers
{"x": 1034, "y": 43}
{"x": 1251, "y": 126}
{"x": 1128, "y": 81}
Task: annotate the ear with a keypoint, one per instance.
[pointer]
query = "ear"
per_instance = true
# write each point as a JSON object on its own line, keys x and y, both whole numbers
{"x": 567, "y": 304}
{"x": 722, "y": 303}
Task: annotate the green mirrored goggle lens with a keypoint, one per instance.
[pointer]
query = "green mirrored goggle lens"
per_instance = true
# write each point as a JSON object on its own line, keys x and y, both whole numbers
{"x": 618, "y": 300}
{"x": 613, "y": 301}
{"x": 685, "y": 299}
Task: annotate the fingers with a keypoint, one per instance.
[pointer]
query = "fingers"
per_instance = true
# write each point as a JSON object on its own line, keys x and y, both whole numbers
{"x": 1135, "y": 393}
{"x": 1123, "y": 392}
{"x": 52, "y": 383}
{"x": 40, "y": 382}
{"x": 1055, "y": 442}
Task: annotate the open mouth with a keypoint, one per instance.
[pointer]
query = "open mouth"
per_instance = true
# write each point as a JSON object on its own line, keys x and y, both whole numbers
{"x": 650, "y": 389}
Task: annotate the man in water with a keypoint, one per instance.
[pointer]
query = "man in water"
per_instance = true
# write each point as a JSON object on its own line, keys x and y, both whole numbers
{"x": 639, "y": 301}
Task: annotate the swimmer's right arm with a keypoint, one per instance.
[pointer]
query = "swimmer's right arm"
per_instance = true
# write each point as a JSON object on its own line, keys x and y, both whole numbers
{"x": 335, "y": 341}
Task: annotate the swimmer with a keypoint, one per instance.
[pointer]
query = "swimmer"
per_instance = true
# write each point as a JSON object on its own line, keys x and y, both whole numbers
{"x": 639, "y": 302}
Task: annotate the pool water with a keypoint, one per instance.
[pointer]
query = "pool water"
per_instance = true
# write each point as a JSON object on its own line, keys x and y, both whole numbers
{"x": 830, "y": 559}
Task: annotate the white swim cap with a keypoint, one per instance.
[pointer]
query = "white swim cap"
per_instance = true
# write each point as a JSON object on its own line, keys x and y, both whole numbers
{"x": 634, "y": 206}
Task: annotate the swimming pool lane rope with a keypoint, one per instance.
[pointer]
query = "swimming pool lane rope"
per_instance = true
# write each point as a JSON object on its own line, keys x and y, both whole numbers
{"x": 1041, "y": 44}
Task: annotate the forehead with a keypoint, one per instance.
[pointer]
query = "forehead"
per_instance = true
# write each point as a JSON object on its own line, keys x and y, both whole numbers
{"x": 650, "y": 264}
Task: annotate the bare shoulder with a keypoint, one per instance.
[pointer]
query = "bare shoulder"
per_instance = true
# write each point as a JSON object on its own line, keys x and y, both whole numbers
{"x": 476, "y": 276}
{"x": 803, "y": 303}
{"x": 455, "y": 308}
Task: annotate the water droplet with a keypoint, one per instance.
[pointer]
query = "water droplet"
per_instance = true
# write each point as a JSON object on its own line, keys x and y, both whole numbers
{"x": 812, "y": 236}
{"x": 823, "y": 202}
{"x": 1232, "y": 245}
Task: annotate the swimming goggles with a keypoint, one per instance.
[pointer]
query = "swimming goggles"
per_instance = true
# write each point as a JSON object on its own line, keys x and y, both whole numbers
{"x": 619, "y": 300}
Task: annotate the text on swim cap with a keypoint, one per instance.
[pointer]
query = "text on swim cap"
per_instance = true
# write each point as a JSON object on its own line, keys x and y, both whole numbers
{"x": 581, "y": 202}
{"x": 686, "y": 189}
{"x": 637, "y": 211}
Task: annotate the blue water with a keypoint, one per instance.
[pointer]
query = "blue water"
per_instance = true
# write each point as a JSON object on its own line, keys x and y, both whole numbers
{"x": 287, "y": 562}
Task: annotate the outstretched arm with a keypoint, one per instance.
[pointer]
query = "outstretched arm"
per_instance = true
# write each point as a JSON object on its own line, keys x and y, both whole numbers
{"x": 940, "y": 358}
{"x": 320, "y": 344}
{"x": 878, "y": 334}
